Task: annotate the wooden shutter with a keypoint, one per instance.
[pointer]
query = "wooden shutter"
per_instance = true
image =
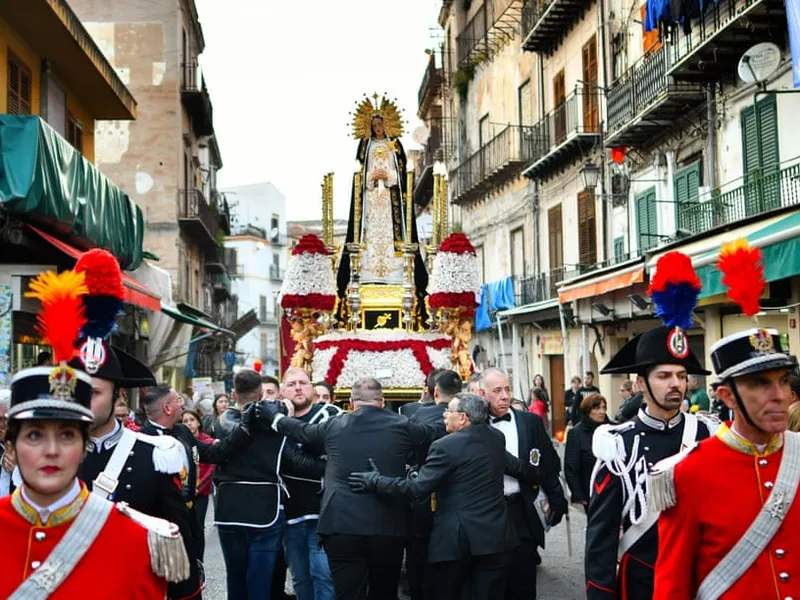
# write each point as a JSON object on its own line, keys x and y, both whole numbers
{"x": 646, "y": 220}
{"x": 587, "y": 229}
{"x": 589, "y": 99}
{"x": 19, "y": 87}
{"x": 619, "y": 248}
{"x": 555, "y": 238}
{"x": 559, "y": 110}
{"x": 525, "y": 100}
{"x": 687, "y": 193}
{"x": 762, "y": 172}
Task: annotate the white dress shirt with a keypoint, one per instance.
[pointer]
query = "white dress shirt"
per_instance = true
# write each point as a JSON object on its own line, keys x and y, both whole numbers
{"x": 509, "y": 431}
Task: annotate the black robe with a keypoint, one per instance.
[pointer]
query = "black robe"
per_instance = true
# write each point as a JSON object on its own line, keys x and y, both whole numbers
{"x": 398, "y": 218}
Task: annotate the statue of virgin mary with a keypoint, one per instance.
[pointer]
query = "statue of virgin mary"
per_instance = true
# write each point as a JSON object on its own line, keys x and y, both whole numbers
{"x": 382, "y": 161}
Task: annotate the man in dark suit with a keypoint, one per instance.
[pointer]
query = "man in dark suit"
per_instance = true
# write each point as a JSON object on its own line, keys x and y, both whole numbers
{"x": 472, "y": 536}
{"x": 363, "y": 535}
{"x": 447, "y": 384}
{"x": 526, "y": 439}
{"x": 408, "y": 409}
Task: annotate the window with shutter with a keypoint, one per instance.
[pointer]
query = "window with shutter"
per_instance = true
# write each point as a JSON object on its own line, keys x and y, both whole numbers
{"x": 587, "y": 230}
{"x": 619, "y": 249}
{"x": 761, "y": 155}
{"x": 591, "y": 118}
{"x": 646, "y": 219}
{"x": 556, "y": 238}
{"x": 517, "y": 253}
{"x": 19, "y": 87}
{"x": 74, "y": 133}
{"x": 687, "y": 195}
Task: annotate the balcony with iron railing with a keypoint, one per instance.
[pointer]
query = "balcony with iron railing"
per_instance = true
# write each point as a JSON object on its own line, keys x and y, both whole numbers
{"x": 275, "y": 273}
{"x": 220, "y": 286}
{"x": 545, "y": 23}
{"x": 431, "y": 153}
{"x": 222, "y": 260}
{"x": 196, "y": 218}
{"x": 500, "y": 159}
{"x": 760, "y": 191}
{"x": 539, "y": 288}
{"x": 711, "y": 51}
{"x": 492, "y": 26}
{"x": 566, "y": 132}
{"x": 430, "y": 86}
{"x": 196, "y": 100}
{"x": 645, "y": 100}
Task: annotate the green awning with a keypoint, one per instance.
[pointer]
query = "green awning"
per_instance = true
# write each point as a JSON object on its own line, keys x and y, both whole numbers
{"x": 190, "y": 320}
{"x": 780, "y": 245}
{"x": 45, "y": 180}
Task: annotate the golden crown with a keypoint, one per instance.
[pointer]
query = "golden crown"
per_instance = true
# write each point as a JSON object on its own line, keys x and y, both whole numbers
{"x": 367, "y": 109}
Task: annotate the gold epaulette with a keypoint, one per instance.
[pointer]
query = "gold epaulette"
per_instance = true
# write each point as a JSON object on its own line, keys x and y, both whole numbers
{"x": 168, "y": 557}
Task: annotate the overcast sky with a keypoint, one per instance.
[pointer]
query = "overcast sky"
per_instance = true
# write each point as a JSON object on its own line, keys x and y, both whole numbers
{"x": 283, "y": 76}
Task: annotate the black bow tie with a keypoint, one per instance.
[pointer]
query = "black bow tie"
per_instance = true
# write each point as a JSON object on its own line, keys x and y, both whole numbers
{"x": 505, "y": 417}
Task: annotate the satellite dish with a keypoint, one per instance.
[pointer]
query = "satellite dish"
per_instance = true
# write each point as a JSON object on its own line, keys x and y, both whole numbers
{"x": 273, "y": 233}
{"x": 420, "y": 135}
{"x": 759, "y": 62}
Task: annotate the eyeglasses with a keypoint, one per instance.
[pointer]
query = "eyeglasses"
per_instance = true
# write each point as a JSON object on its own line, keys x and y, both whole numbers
{"x": 453, "y": 412}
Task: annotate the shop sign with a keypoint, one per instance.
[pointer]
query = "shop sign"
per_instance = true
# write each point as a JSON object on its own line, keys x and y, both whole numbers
{"x": 552, "y": 344}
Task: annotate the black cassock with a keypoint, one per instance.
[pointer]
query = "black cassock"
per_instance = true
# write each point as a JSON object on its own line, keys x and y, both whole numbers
{"x": 398, "y": 218}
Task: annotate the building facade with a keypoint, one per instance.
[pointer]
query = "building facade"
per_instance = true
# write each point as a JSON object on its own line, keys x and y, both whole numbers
{"x": 259, "y": 244}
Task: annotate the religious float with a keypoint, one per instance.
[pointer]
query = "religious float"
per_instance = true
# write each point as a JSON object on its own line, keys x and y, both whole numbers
{"x": 381, "y": 304}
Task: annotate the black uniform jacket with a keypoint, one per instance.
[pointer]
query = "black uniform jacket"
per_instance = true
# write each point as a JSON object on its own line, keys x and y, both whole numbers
{"x": 657, "y": 441}
{"x": 149, "y": 491}
{"x": 465, "y": 469}
{"x": 249, "y": 491}
{"x": 535, "y": 443}
{"x": 350, "y": 440}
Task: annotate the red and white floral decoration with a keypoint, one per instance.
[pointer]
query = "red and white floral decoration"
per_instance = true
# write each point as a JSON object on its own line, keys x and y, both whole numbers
{"x": 396, "y": 358}
{"x": 455, "y": 281}
{"x": 309, "y": 282}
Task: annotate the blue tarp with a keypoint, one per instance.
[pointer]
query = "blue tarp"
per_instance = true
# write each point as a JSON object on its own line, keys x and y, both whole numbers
{"x": 497, "y": 295}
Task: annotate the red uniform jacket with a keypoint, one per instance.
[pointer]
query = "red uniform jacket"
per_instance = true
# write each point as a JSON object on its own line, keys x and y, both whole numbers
{"x": 117, "y": 565}
{"x": 720, "y": 488}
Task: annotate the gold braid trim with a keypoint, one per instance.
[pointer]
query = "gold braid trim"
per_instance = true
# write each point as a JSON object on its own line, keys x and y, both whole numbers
{"x": 168, "y": 557}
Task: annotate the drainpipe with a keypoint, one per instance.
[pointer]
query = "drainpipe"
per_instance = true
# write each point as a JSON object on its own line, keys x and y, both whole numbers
{"x": 536, "y": 248}
{"x": 711, "y": 143}
{"x": 601, "y": 9}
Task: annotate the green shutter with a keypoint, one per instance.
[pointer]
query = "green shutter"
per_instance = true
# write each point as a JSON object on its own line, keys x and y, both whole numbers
{"x": 619, "y": 248}
{"x": 646, "y": 220}
{"x": 688, "y": 213}
{"x": 761, "y": 155}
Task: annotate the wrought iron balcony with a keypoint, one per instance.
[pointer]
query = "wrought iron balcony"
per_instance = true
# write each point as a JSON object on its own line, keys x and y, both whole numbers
{"x": 197, "y": 219}
{"x": 195, "y": 98}
{"x": 718, "y": 38}
{"x": 545, "y": 23}
{"x": 762, "y": 191}
{"x": 430, "y": 87}
{"x": 275, "y": 273}
{"x": 539, "y": 288}
{"x": 220, "y": 286}
{"x": 645, "y": 100}
{"x": 499, "y": 160}
{"x": 222, "y": 260}
{"x": 564, "y": 133}
{"x": 492, "y": 26}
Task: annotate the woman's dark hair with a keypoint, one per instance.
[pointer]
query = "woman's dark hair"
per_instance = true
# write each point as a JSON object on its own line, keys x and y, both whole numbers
{"x": 543, "y": 386}
{"x": 518, "y": 404}
{"x": 216, "y": 399}
{"x": 591, "y": 401}
{"x": 371, "y": 121}
{"x": 14, "y": 427}
{"x": 195, "y": 414}
{"x": 539, "y": 394}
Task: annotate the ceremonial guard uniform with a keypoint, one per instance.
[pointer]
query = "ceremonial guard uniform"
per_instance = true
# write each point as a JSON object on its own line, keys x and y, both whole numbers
{"x": 621, "y": 535}
{"x": 730, "y": 515}
{"x": 64, "y": 550}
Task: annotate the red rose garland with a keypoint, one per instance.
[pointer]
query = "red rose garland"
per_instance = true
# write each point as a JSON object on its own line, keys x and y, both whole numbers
{"x": 418, "y": 347}
{"x": 315, "y": 301}
{"x": 457, "y": 243}
{"x": 310, "y": 244}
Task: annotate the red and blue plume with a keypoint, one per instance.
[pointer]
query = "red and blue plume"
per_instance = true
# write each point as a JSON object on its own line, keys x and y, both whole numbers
{"x": 674, "y": 290}
{"x": 105, "y": 298}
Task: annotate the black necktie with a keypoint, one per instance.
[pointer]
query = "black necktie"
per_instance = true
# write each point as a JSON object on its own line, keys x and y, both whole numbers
{"x": 505, "y": 417}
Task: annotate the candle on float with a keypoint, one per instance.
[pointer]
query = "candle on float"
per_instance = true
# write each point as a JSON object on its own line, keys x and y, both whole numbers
{"x": 409, "y": 201}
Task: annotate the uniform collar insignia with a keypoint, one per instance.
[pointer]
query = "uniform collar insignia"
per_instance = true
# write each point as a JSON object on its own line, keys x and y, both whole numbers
{"x": 62, "y": 515}
{"x": 736, "y": 442}
{"x": 658, "y": 424}
{"x": 106, "y": 442}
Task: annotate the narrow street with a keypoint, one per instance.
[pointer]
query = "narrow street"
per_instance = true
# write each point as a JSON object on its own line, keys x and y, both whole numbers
{"x": 560, "y": 575}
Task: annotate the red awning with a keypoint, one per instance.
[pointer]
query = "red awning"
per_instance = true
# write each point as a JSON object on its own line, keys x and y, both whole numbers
{"x": 135, "y": 292}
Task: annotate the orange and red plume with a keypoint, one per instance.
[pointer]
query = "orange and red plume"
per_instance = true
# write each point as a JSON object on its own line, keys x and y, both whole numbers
{"x": 257, "y": 365}
{"x": 743, "y": 274}
{"x": 62, "y": 314}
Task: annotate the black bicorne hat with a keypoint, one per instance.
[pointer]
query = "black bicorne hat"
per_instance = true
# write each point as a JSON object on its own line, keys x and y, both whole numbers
{"x": 659, "y": 346}
{"x": 59, "y": 393}
{"x": 753, "y": 351}
{"x": 100, "y": 359}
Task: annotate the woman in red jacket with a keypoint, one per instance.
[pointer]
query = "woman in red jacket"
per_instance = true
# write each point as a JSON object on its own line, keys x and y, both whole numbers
{"x": 193, "y": 421}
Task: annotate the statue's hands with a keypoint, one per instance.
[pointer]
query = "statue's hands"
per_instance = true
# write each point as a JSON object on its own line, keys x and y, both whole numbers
{"x": 379, "y": 174}
{"x": 365, "y": 481}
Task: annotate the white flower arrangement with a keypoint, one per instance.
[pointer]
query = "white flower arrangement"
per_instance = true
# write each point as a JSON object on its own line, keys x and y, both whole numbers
{"x": 455, "y": 274}
{"x": 309, "y": 274}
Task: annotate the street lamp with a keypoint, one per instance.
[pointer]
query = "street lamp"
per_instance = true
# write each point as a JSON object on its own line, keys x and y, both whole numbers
{"x": 590, "y": 175}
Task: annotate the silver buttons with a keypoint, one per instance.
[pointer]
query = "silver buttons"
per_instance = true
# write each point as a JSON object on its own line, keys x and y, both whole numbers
{"x": 769, "y": 485}
{"x": 40, "y": 536}
{"x": 129, "y": 469}
{"x": 127, "y": 487}
{"x": 784, "y": 577}
{"x": 131, "y": 454}
{"x": 780, "y": 553}
{"x": 762, "y": 462}
{"x": 36, "y": 564}
{"x": 647, "y": 449}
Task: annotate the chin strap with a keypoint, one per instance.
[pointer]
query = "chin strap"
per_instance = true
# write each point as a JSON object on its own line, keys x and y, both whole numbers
{"x": 652, "y": 395}
{"x": 740, "y": 404}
